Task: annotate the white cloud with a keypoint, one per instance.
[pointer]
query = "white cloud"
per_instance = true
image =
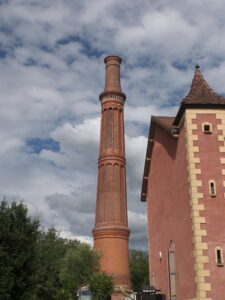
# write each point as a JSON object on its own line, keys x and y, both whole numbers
{"x": 52, "y": 71}
{"x": 158, "y": 30}
{"x": 77, "y": 143}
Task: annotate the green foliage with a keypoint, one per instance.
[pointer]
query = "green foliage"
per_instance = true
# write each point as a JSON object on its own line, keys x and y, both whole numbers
{"x": 101, "y": 285}
{"x": 18, "y": 240}
{"x": 39, "y": 265}
{"x": 77, "y": 267}
{"x": 139, "y": 269}
{"x": 51, "y": 250}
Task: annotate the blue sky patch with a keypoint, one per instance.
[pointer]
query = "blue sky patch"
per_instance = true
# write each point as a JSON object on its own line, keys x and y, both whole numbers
{"x": 175, "y": 97}
{"x": 5, "y": 29}
{"x": 87, "y": 48}
{"x": 30, "y": 62}
{"x": 3, "y": 2}
{"x": 2, "y": 53}
{"x": 35, "y": 145}
{"x": 46, "y": 48}
{"x": 179, "y": 66}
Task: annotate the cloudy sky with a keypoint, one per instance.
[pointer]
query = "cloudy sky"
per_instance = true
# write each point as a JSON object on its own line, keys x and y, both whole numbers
{"x": 51, "y": 73}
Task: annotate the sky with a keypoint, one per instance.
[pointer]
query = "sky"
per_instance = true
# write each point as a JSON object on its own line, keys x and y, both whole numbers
{"x": 51, "y": 74}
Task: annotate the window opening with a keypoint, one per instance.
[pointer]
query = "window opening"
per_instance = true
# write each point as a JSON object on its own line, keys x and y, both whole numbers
{"x": 212, "y": 188}
{"x": 153, "y": 279}
{"x": 207, "y": 128}
{"x": 219, "y": 256}
{"x": 172, "y": 271}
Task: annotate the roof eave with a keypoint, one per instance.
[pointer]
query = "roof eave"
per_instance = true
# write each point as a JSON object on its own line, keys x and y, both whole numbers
{"x": 147, "y": 161}
{"x": 183, "y": 107}
{"x": 154, "y": 121}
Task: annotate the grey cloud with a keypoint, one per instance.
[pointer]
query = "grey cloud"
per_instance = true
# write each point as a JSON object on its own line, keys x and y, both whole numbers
{"x": 52, "y": 71}
{"x": 79, "y": 205}
{"x": 138, "y": 227}
{"x": 77, "y": 209}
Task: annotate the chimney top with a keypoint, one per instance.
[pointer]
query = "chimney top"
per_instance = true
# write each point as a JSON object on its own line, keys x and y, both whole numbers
{"x": 112, "y": 73}
{"x": 112, "y": 76}
{"x": 112, "y": 57}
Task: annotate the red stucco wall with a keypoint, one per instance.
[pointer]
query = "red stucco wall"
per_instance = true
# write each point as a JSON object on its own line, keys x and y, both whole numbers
{"x": 169, "y": 213}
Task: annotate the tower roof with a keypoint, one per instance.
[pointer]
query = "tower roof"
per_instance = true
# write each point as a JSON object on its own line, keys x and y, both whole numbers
{"x": 200, "y": 95}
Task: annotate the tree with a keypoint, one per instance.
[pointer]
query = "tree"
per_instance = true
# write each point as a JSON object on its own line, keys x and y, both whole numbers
{"x": 101, "y": 285}
{"x": 51, "y": 250}
{"x": 39, "y": 265}
{"x": 78, "y": 265}
{"x": 18, "y": 244}
{"x": 139, "y": 269}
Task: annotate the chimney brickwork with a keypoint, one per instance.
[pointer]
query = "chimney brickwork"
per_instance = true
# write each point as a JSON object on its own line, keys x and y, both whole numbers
{"x": 111, "y": 231}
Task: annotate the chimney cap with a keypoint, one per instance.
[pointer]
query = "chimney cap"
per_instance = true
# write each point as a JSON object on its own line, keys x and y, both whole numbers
{"x": 112, "y": 56}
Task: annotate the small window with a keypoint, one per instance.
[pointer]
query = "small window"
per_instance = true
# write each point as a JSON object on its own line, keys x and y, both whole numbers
{"x": 207, "y": 128}
{"x": 174, "y": 132}
{"x": 219, "y": 256}
{"x": 153, "y": 279}
{"x": 212, "y": 188}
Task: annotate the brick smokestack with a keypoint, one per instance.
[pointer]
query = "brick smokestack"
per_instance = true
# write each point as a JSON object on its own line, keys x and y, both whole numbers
{"x": 112, "y": 73}
{"x": 111, "y": 231}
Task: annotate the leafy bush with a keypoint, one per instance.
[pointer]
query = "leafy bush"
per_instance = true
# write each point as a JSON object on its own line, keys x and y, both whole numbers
{"x": 101, "y": 285}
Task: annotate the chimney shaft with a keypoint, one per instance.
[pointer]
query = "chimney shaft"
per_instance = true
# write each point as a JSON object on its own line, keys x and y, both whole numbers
{"x": 112, "y": 73}
{"x": 111, "y": 232}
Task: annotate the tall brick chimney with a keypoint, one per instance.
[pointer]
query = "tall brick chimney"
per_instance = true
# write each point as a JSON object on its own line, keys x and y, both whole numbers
{"x": 111, "y": 231}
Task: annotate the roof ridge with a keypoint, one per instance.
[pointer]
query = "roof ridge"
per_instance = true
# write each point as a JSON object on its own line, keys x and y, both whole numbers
{"x": 201, "y": 89}
{"x": 200, "y": 95}
{"x": 157, "y": 116}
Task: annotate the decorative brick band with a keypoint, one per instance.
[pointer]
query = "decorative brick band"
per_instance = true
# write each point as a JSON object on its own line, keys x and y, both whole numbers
{"x": 201, "y": 272}
{"x": 111, "y": 232}
{"x": 112, "y": 95}
{"x": 104, "y": 158}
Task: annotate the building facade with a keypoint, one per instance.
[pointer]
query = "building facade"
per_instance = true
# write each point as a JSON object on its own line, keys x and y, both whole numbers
{"x": 184, "y": 187}
{"x": 111, "y": 231}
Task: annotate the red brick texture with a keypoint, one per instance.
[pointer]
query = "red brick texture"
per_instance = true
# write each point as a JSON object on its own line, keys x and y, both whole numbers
{"x": 111, "y": 231}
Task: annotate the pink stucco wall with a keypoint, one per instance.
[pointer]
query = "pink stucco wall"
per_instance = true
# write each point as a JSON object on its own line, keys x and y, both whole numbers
{"x": 169, "y": 214}
{"x": 211, "y": 168}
